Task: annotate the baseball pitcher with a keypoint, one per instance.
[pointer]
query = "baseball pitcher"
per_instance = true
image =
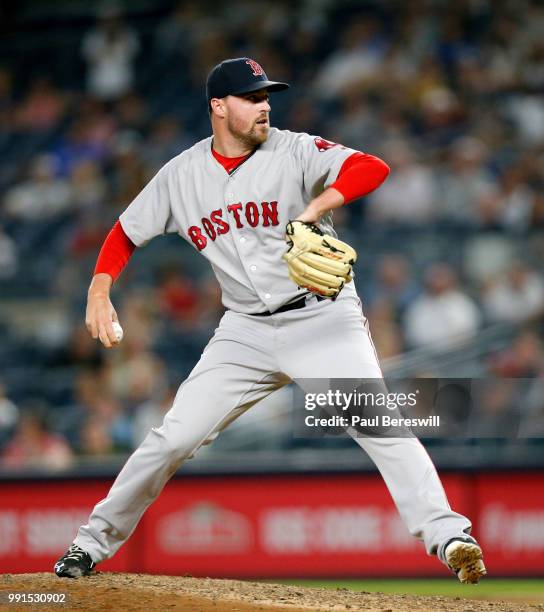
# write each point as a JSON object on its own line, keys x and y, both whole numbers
{"x": 256, "y": 202}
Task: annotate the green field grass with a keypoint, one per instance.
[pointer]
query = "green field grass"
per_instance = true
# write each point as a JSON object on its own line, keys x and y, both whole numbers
{"x": 506, "y": 589}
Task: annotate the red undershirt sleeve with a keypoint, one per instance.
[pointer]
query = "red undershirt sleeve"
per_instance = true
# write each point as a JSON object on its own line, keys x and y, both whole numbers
{"x": 115, "y": 252}
{"x": 360, "y": 174}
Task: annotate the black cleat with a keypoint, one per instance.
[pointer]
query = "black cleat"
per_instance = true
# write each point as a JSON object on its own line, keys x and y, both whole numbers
{"x": 74, "y": 563}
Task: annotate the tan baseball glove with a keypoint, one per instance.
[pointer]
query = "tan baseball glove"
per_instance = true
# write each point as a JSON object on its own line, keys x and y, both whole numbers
{"x": 318, "y": 262}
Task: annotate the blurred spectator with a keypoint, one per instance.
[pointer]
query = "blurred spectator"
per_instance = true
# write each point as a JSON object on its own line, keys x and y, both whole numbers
{"x": 137, "y": 377}
{"x": 94, "y": 400}
{"x": 444, "y": 315}
{"x": 79, "y": 351}
{"x": 177, "y": 296}
{"x": 7, "y": 106}
{"x": 498, "y": 413}
{"x": 41, "y": 196}
{"x": 465, "y": 181}
{"x": 95, "y": 439}
{"x": 131, "y": 112}
{"x": 33, "y": 446}
{"x": 110, "y": 412}
{"x": 399, "y": 64}
{"x": 134, "y": 372}
{"x": 303, "y": 116}
{"x": 43, "y": 107}
{"x": 100, "y": 123}
{"x": 357, "y": 61}
{"x": 453, "y": 403}
{"x": 174, "y": 35}
{"x": 130, "y": 174}
{"x": 532, "y": 74}
{"x": 502, "y": 56}
{"x": 537, "y": 219}
{"x": 110, "y": 50}
{"x": 442, "y": 117}
{"x": 85, "y": 140}
{"x": 408, "y": 195}
{"x": 528, "y": 115}
{"x": 211, "y": 45}
{"x": 515, "y": 199}
{"x": 523, "y": 359}
{"x": 166, "y": 140}
{"x": 429, "y": 77}
{"x": 487, "y": 255}
{"x": 532, "y": 425}
{"x": 356, "y": 125}
{"x": 394, "y": 284}
{"x": 140, "y": 321}
{"x": 386, "y": 333}
{"x": 87, "y": 387}
{"x": 516, "y": 296}
{"x": 87, "y": 185}
{"x": 87, "y": 237}
{"x": 8, "y": 256}
{"x": 9, "y": 414}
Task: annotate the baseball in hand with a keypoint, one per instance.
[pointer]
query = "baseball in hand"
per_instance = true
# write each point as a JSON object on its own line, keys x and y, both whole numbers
{"x": 118, "y": 331}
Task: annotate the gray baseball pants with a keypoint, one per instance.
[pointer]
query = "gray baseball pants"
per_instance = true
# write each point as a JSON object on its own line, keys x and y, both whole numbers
{"x": 247, "y": 359}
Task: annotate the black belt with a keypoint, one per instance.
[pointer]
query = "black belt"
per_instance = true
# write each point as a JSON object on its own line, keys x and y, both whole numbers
{"x": 300, "y": 303}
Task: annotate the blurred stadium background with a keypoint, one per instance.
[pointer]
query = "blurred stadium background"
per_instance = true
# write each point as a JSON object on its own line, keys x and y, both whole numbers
{"x": 95, "y": 97}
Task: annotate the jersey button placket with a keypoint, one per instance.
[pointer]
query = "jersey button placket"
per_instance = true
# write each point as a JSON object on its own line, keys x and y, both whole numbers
{"x": 229, "y": 195}
{"x": 243, "y": 241}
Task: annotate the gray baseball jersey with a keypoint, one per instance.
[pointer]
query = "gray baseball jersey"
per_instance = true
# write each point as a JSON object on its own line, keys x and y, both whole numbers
{"x": 237, "y": 221}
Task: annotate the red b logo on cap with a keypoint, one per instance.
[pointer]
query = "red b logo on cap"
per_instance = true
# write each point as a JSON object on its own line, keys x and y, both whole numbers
{"x": 257, "y": 70}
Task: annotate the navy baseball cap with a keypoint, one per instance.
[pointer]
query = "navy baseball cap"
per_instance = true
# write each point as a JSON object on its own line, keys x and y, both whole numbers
{"x": 241, "y": 75}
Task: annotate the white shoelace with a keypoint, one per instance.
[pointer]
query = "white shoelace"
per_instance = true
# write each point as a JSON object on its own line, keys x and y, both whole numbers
{"x": 75, "y": 553}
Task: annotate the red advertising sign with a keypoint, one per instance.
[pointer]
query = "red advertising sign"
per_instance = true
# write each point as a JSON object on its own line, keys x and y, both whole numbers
{"x": 511, "y": 523}
{"x": 276, "y": 526}
{"x": 39, "y": 520}
{"x": 284, "y": 526}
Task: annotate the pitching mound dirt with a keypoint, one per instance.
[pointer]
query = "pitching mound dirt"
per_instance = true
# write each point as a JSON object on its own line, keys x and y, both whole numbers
{"x": 116, "y": 592}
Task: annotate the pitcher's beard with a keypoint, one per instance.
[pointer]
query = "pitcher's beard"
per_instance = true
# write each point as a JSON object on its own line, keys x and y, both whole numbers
{"x": 255, "y": 137}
